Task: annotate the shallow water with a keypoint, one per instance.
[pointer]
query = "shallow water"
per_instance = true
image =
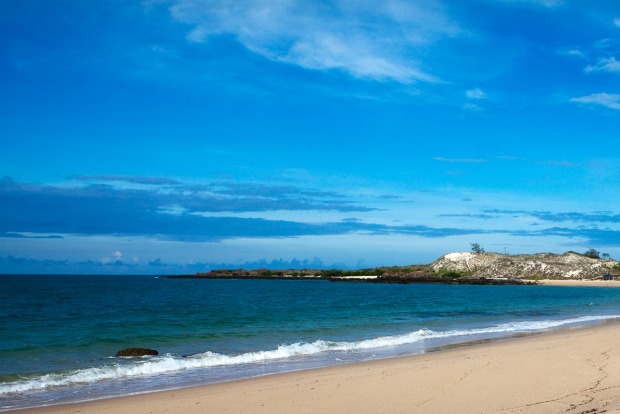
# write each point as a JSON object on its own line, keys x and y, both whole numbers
{"x": 59, "y": 333}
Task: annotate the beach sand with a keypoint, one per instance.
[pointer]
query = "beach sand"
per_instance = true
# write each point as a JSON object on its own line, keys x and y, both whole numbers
{"x": 575, "y": 371}
{"x": 574, "y": 282}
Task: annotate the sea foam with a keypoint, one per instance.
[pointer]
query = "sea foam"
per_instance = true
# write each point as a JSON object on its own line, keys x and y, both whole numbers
{"x": 170, "y": 363}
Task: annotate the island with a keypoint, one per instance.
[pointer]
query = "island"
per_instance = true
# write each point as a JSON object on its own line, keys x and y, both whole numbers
{"x": 452, "y": 268}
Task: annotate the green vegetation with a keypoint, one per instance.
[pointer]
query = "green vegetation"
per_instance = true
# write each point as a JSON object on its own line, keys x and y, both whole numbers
{"x": 535, "y": 276}
{"x": 594, "y": 254}
{"x": 476, "y": 248}
{"x": 385, "y": 271}
{"x": 376, "y": 271}
{"x": 452, "y": 275}
{"x": 269, "y": 273}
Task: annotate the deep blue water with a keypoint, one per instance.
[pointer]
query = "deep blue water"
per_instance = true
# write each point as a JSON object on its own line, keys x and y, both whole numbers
{"x": 58, "y": 334}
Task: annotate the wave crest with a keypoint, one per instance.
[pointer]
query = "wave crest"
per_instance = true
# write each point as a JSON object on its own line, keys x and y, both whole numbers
{"x": 170, "y": 363}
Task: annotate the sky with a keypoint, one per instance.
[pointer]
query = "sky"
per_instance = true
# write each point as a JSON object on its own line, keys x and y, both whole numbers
{"x": 179, "y": 136}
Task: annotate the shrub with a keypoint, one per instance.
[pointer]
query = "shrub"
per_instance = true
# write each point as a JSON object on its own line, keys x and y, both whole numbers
{"x": 452, "y": 275}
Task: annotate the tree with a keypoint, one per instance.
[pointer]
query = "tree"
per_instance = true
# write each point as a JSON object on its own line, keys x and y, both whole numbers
{"x": 594, "y": 254}
{"x": 605, "y": 256}
{"x": 476, "y": 248}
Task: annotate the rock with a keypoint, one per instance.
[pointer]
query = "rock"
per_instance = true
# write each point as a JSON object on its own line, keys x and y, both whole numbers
{"x": 135, "y": 352}
{"x": 524, "y": 266}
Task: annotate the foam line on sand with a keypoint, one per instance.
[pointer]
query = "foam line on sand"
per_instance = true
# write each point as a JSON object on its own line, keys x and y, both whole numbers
{"x": 565, "y": 371}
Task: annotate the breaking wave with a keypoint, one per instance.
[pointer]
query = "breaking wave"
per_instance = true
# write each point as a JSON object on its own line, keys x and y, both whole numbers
{"x": 171, "y": 363}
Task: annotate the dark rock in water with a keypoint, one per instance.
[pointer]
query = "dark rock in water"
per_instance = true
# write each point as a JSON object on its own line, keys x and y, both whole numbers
{"x": 134, "y": 352}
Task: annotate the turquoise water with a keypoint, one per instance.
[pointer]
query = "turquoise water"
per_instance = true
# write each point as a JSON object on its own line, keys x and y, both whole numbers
{"x": 59, "y": 334}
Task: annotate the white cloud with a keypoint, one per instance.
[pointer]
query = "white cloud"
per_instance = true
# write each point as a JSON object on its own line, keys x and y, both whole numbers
{"x": 544, "y": 3}
{"x": 605, "y": 65}
{"x": 472, "y": 107}
{"x": 575, "y": 52}
{"x": 608, "y": 100}
{"x": 460, "y": 160}
{"x": 476, "y": 93}
{"x": 547, "y": 3}
{"x": 572, "y": 53}
{"x": 117, "y": 257}
{"x": 367, "y": 39}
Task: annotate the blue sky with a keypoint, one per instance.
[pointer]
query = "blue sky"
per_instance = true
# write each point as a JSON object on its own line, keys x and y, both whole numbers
{"x": 175, "y": 136}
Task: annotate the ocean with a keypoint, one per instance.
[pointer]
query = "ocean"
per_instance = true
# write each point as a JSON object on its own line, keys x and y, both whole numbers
{"x": 59, "y": 334}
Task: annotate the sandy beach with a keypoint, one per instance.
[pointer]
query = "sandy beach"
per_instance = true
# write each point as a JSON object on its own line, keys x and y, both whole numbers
{"x": 576, "y": 282}
{"x": 576, "y": 371}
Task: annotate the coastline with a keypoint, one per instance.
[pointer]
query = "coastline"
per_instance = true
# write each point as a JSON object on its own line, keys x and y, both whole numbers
{"x": 569, "y": 369}
{"x": 578, "y": 282}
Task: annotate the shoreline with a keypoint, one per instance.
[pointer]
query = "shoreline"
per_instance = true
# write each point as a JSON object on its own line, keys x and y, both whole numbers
{"x": 579, "y": 282}
{"x": 570, "y": 368}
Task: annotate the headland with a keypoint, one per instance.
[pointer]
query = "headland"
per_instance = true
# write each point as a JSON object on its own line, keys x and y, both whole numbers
{"x": 454, "y": 268}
